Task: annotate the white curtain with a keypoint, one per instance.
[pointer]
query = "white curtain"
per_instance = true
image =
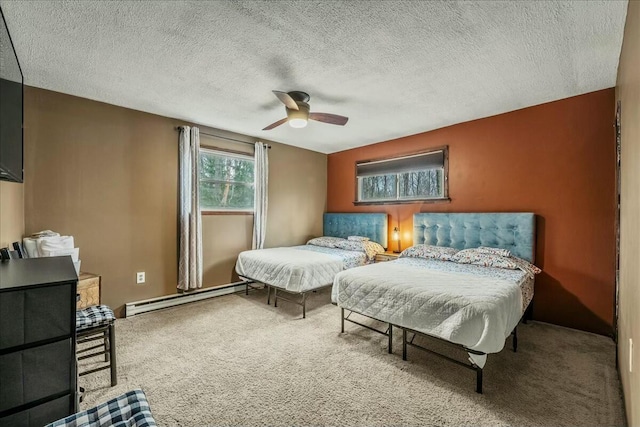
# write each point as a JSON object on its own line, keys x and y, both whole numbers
{"x": 190, "y": 262}
{"x": 261, "y": 171}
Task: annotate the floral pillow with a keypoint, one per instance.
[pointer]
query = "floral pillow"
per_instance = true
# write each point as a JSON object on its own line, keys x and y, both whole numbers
{"x": 526, "y": 266}
{"x": 326, "y": 241}
{"x": 493, "y": 251}
{"x": 358, "y": 238}
{"x": 441, "y": 253}
{"x": 474, "y": 257}
{"x": 368, "y": 247}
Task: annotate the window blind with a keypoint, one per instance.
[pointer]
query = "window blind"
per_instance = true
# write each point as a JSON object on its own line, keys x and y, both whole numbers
{"x": 416, "y": 162}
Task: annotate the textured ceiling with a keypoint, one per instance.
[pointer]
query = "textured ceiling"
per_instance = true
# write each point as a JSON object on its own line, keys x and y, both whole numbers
{"x": 395, "y": 68}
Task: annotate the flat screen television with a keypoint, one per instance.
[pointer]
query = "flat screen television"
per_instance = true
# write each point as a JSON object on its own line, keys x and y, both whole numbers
{"x": 11, "y": 109}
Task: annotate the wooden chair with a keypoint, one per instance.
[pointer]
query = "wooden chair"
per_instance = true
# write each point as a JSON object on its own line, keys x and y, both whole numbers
{"x": 92, "y": 324}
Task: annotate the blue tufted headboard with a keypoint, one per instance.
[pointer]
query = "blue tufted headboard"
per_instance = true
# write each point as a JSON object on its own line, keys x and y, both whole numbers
{"x": 512, "y": 231}
{"x": 371, "y": 225}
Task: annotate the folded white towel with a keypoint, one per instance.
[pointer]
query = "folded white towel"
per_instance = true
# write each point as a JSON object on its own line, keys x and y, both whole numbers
{"x": 45, "y": 233}
{"x": 74, "y": 252}
{"x": 54, "y": 243}
{"x": 31, "y": 247}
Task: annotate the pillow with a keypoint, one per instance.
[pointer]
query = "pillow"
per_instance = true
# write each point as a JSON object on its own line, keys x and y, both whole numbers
{"x": 441, "y": 253}
{"x": 325, "y": 241}
{"x": 493, "y": 251}
{"x": 358, "y": 238}
{"x": 368, "y": 247}
{"x": 526, "y": 266}
{"x": 472, "y": 256}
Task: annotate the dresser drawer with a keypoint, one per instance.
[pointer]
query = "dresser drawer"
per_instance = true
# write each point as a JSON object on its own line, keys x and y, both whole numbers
{"x": 36, "y": 373}
{"x": 33, "y": 315}
{"x": 42, "y": 414}
{"x": 89, "y": 290}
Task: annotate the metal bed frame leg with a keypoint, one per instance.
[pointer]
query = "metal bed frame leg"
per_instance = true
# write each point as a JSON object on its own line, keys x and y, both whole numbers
{"x": 515, "y": 339}
{"x": 304, "y": 305}
{"x": 112, "y": 355}
{"x": 246, "y": 288}
{"x": 268, "y": 295}
{"x": 472, "y": 366}
{"x": 528, "y": 313}
{"x": 342, "y": 320}
{"x": 275, "y": 297}
{"x": 106, "y": 346}
{"x": 390, "y": 338}
{"x": 404, "y": 344}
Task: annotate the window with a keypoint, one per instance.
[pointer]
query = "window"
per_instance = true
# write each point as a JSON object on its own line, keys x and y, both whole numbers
{"x": 416, "y": 177}
{"x": 226, "y": 181}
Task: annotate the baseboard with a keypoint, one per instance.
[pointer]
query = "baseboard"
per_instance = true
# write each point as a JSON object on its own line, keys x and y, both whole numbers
{"x": 152, "y": 304}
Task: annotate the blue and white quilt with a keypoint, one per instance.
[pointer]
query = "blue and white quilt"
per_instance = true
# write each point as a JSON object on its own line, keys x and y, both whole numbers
{"x": 471, "y": 305}
{"x": 297, "y": 268}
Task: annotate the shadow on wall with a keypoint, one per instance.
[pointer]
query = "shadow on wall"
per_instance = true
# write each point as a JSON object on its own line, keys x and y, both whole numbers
{"x": 231, "y": 277}
{"x": 548, "y": 287}
{"x": 234, "y": 275}
{"x": 575, "y": 313}
{"x": 540, "y": 241}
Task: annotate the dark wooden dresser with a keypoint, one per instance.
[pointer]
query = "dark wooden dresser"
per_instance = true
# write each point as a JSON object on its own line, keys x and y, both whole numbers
{"x": 37, "y": 341}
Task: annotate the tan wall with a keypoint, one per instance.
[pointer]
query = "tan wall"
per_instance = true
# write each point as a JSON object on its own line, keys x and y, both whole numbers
{"x": 297, "y": 195}
{"x": 11, "y": 212}
{"x": 628, "y": 92}
{"x": 109, "y": 176}
{"x": 297, "y": 190}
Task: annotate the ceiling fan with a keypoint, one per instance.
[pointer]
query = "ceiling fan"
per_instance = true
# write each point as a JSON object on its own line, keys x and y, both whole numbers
{"x": 297, "y": 107}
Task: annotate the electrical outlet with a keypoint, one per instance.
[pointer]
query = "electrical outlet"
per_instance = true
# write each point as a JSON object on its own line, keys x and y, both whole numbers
{"x": 140, "y": 277}
{"x": 630, "y": 355}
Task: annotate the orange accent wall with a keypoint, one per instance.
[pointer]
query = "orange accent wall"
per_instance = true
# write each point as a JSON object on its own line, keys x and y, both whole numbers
{"x": 556, "y": 160}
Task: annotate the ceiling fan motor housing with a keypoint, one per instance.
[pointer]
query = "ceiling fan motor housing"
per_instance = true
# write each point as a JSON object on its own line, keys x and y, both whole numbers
{"x": 299, "y": 95}
{"x": 301, "y": 113}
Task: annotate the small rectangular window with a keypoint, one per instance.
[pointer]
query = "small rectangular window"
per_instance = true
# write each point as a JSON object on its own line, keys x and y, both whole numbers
{"x": 416, "y": 177}
{"x": 226, "y": 181}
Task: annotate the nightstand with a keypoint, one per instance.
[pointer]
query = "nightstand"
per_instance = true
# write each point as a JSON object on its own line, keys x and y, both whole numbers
{"x": 387, "y": 256}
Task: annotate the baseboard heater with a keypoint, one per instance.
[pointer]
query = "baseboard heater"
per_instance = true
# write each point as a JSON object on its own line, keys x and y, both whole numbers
{"x": 152, "y": 304}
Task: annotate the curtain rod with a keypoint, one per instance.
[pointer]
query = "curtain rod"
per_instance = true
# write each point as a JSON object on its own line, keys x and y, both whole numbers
{"x": 225, "y": 137}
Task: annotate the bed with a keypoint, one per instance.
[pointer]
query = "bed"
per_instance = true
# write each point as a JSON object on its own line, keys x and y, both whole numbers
{"x": 298, "y": 270}
{"x": 470, "y": 306}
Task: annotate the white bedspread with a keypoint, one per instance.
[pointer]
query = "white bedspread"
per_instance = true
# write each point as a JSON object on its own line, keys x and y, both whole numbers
{"x": 297, "y": 268}
{"x": 474, "y": 306}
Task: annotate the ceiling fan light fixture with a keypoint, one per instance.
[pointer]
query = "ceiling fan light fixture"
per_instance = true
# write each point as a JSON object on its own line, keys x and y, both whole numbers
{"x": 298, "y": 115}
{"x": 298, "y": 118}
{"x": 297, "y": 123}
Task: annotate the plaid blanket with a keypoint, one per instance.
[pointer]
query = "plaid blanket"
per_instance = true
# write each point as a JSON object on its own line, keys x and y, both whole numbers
{"x": 128, "y": 410}
{"x": 96, "y": 315}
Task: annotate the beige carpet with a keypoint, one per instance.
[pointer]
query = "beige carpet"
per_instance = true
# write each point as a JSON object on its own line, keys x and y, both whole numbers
{"x": 234, "y": 360}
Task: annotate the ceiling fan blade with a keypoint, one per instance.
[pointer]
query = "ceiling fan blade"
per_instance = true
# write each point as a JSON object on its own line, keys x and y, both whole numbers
{"x": 286, "y": 99}
{"x": 276, "y": 124}
{"x": 332, "y": 119}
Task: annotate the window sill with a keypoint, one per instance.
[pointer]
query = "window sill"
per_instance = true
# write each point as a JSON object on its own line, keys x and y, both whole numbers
{"x": 226, "y": 212}
{"x": 400, "y": 202}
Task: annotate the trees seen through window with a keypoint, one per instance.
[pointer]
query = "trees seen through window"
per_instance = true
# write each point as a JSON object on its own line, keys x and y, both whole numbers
{"x": 226, "y": 181}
